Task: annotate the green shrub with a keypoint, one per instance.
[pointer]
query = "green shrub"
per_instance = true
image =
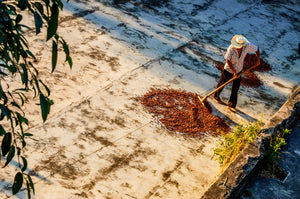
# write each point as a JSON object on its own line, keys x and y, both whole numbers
{"x": 272, "y": 154}
{"x": 234, "y": 142}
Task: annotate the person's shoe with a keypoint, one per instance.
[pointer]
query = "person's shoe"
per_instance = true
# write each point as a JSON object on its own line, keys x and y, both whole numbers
{"x": 218, "y": 100}
{"x": 229, "y": 106}
{"x": 232, "y": 109}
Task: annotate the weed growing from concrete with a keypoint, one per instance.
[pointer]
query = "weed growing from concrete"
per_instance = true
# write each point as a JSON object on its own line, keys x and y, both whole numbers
{"x": 234, "y": 142}
{"x": 272, "y": 155}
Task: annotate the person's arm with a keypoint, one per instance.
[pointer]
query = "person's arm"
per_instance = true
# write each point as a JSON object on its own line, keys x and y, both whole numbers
{"x": 257, "y": 53}
{"x": 253, "y": 48}
{"x": 231, "y": 67}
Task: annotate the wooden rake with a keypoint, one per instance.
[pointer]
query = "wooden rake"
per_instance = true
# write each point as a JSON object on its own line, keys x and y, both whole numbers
{"x": 204, "y": 99}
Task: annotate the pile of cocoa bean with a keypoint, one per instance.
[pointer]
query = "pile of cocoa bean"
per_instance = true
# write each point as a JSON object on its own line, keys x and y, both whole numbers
{"x": 181, "y": 112}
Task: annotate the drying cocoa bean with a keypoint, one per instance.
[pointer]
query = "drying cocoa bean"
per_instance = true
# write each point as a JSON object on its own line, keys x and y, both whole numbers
{"x": 181, "y": 112}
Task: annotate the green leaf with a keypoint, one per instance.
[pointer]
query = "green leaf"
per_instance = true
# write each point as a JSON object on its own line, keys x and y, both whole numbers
{"x": 3, "y": 95}
{"x": 23, "y": 40}
{"x": 30, "y": 54}
{"x": 10, "y": 155}
{"x": 18, "y": 18}
{"x": 66, "y": 49}
{"x": 6, "y": 142}
{"x": 22, "y": 96}
{"x": 28, "y": 189}
{"x": 2, "y": 130}
{"x": 67, "y": 52}
{"x": 38, "y": 22}
{"x": 5, "y": 111}
{"x": 23, "y": 4}
{"x": 18, "y": 182}
{"x": 24, "y": 164}
{"x": 23, "y": 52}
{"x": 24, "y": 75}
{"x": 39, "y": 6}
{"x": 1, "y": 116}
{"x": 47, "y": 2}
{"x": 37, "y": 86}
{"x": 16, "y": 53}
{"x": 25, "y": 26}
{"x": 13, "y": 9}
{"x": 54, "y": 55}
{"x": 31, "y": 183}
{"x": 28, "y": 134}
{"x": 70, "y": 62}
{"x": 23, "y": 142}
{"x": 45, "y": 106}
{"x": 53, "y": 22}
{"x": 46, "y": 87}
{"x": 18, "y": 151}
{"x": 22, "y": 119}
{"x": 15, "y": 105}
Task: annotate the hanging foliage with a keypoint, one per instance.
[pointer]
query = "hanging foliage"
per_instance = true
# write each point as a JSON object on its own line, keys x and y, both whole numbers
{"x": 16, "y": 58}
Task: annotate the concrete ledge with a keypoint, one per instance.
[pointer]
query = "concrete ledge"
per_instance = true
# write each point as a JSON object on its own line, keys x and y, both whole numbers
{"x": 232, "y": 181}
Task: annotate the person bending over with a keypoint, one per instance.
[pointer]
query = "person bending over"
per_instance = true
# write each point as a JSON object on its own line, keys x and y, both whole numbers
{"x": 234, "y": 57}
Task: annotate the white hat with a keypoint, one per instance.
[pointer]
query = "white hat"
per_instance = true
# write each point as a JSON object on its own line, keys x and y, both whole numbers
{"x": 239, "y": 41}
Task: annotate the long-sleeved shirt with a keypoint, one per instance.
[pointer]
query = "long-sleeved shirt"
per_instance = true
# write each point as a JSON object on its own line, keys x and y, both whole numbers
{"x": 233, "y": 56}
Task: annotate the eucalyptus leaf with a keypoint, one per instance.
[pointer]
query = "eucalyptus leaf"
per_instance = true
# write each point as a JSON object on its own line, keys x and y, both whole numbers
{"x": 39, "y": 7}
{"x": 23, "y": 4}
{"x": 15, "y": 105}
{"x": 53, "y": 22}
{"x": 2, "y": 130}
{"x": 28, "y": 134}
{"x": 30, "y": 54}
{"x": 54, "y": 55}
{"x": 46, "y": 87}
{"x": 24, "y": 75}
{"x": 18, "y": 18}
{"x": 24, "y": 164}
{"x": 45, "y": 106}
{"x": 16, "y": 59}
{"x": 10, "y": 155}
{"x": 26, "y": 26}
{"x": 3, "y": 95}
{"x": 5, "y": 111}
{"x": 31, "y": 183}
{"x": 38, "y": 22}
{"x": 70, "y": 61}
{"x": 6, "y": 142}
{"x": 28, "y": 189}
{"x": 18, "y": 182}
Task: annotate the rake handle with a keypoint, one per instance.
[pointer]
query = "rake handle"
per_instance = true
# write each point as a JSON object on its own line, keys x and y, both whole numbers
{"x": 220, "y": 87}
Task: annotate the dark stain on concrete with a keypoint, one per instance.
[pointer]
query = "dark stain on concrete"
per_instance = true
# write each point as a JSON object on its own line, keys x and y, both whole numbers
{"x": 55, "y": 164}
{"x": 118, "y": 121}
{"x": 166, "y": 178}
{"x": 123, "y": 160}
{"x": 120, "y": 161}
{"x": 166, "y": 175}
{"x": 91, "y": 134}
{"x": 81, "y": 13}
{"x": 198, "y": 151}
{"x": 82, "y": 194}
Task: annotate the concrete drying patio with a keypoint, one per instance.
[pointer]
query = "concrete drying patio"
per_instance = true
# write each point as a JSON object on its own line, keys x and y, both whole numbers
{"x": 99, "y": 142}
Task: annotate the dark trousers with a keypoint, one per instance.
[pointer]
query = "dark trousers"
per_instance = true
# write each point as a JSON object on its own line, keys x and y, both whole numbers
{"x": 225, "y": 76}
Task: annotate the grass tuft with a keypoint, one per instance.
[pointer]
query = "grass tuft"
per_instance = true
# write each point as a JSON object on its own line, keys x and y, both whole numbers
{"x": 272, "y": 154}
{"x": 234, "y": 142}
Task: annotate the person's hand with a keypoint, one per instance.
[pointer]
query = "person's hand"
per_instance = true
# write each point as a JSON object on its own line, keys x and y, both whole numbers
{"x": 258, "y": 58}
{"x": 257, "y": 63}
{"x": 234, "y": 75}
